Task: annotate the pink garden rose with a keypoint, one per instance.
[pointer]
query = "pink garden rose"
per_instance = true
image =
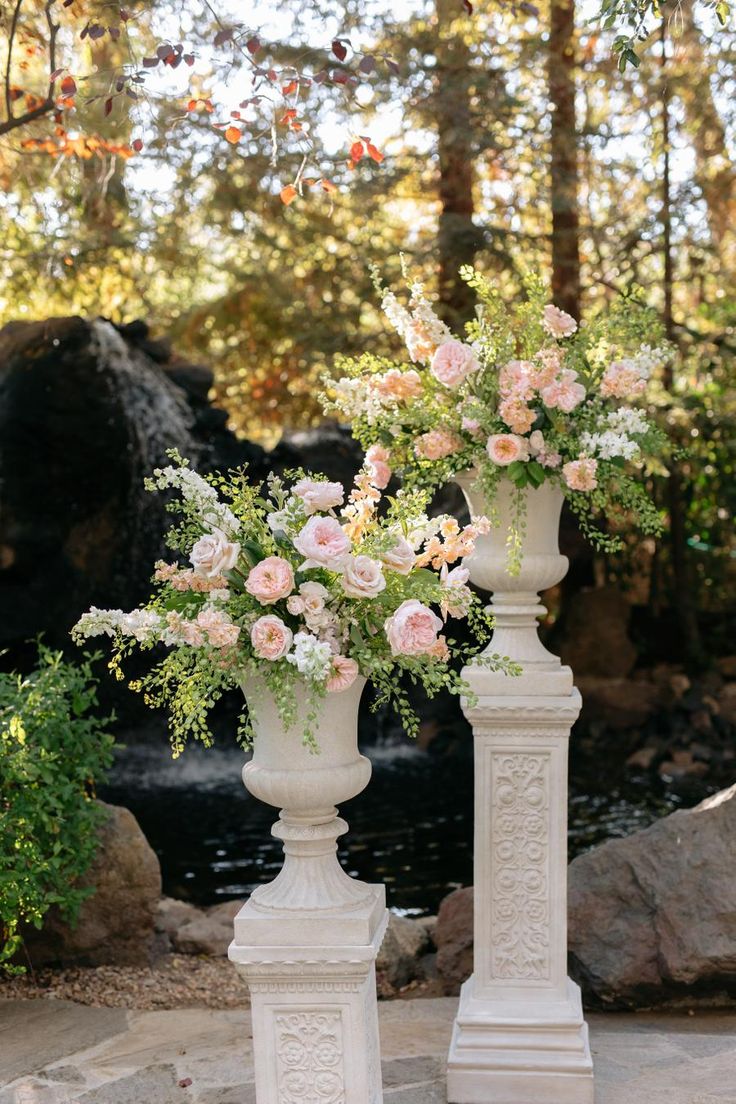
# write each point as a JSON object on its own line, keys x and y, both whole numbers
{"x": 413, "y": 629}
{"x": 505, "y": 448}
{"x": 564, "y": 393}
{"x": 319, "y": 495}
{"x": 270, "y": 580}
{"x": 515, "y": 379}
{"x": 452, "y": 362}
{"x": 377, "y": 462}
{"x": 344, "y": 674}
{"x": 557, "y": 322}
{"x": 580, "y": 475}
{"x": 437, "y": 444}
{"x": 220, "y": 630}
{"x": 271, "y": 638}
{"x": 213, "y": 554}
{"x": 400, "y": 557}
{"x": 362, "y": 577}
{"x": 323, "y": 543}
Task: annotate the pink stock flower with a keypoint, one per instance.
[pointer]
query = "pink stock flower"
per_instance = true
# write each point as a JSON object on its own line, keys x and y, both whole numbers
{"x": 505, "y": 448}
{"x": 471, "y": 426}
{"x": 395, "y": 384}
{"x": 418, "y": 342}
{"x": 452, "y": 362}
{"x": 557, "y": 322}
{"x": 413, "y": 629}
{"x": 319, "y": 495}
{"x": 437, "y": 444}
{"x": 377, "y": 462}
{"x": 580, "y": 475}
{"x": 564, "y": 393}
{"x": 344, "y": 674}
{"x": 539, "y": 450}
{"x": 517, "y": 414}
{"x": 439, "y": 649}
{"x": 270, "y": 580}
{"x": 220, "y": 630}
{"x": 323, "y": 543}
{"x": 271, "y": 638}
{"x": 623, "y": 379}
{"x": 514, "y": 379}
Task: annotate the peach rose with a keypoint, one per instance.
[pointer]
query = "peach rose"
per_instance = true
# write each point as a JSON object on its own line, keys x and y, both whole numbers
{"x": 395, "y": 384}
{"x": 517, "y": 414}
{"x": 220, "y": 630}
{"x": 213, "y": 554}
{"x": 344, "y": 674}
{"x": 452, "y": 362}
{"x": 323, "y": 543}
{"x": 580, "y": 475}
{"x": 271, "y": 638}
{"x": 319, "y": 495}
{"x": 505, "y": 448}
{"x": 564, "y": 393}
{"x": 413, "y": 629}
{"x": 557, "y": 322}
{"x": 623, "y": 379}
{"x": 362, "y": 577}
{"x": 400, "y": 557}
{"x": 437, "y": 444}
{"x": 270, "y": 580}
{"x": 515, "y": 379}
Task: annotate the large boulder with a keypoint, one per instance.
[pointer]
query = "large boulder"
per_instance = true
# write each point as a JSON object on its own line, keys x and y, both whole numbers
{"x": 208, "y": 933}
{"x": 653, "y": 917}
{"x": 404, "y": 943}
{"x": 117, "y": 923}
{"x": 595, "y": 638}
{"x": 453, "y": 937}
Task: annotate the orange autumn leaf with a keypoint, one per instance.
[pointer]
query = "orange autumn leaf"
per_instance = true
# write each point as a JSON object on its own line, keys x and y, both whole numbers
{"x": 289, "y": 88}
{"x": 356, "y": 151}
{"x": 288, "y": 194}
{"x": 68, "y": 86}
{"x": 288, "y": 116}
{"x": 374, "y": 153}
{"x": 328, "y": 185}
{"x": 233, "y": 135}
{"x": 192, "y": 105}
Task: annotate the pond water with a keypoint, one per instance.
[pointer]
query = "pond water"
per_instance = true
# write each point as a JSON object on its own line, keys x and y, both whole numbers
{"x": 411, "y": 828}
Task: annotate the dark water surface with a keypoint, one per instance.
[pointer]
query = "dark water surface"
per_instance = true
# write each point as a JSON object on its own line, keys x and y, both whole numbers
{"x": 411, "y": 828}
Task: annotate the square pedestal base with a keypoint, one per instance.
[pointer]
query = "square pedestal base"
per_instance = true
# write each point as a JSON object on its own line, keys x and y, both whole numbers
{"x": 508, "y": 1053}
{"x": 314, "y": 1011}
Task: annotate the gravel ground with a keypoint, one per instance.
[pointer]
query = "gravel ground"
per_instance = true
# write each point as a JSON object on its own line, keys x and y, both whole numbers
{"x": 177, "y": 981}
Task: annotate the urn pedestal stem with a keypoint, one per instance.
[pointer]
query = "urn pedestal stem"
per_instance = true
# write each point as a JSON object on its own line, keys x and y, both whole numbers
{"x": 307, "y": 942}
{"x": 519, "y": 1035}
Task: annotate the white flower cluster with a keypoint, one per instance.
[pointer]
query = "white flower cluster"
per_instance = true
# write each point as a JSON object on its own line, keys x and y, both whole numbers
{"x": 627, "y": 419}
{"x": 142, "y": 624}
{"x": 397, "y": 315}
{"x": 197, "y": 492}
{"x": 311, "y": 657}
{"x": 648, "y": 359}
{"x": 608, "y": 445}
{"x": 357, "y": 400}
{"x": 420, "y": 529}
{"x": 434, "y": 328}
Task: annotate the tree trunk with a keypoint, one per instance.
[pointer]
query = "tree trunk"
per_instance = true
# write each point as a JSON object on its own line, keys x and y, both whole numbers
{"x": 683, "y": 595}
{"x": 458, "y": 237}
{"x": 564, "y": 159}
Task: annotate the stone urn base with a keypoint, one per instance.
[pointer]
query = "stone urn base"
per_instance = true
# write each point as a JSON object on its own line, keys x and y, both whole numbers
{"x": 307, "y": 942}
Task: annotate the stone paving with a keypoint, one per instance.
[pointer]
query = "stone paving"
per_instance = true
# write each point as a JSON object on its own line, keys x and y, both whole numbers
{"x": 55, "y": 1052}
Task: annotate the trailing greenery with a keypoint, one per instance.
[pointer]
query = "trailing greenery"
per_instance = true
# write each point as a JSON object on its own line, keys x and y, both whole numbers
{"x": 53, "y": 751}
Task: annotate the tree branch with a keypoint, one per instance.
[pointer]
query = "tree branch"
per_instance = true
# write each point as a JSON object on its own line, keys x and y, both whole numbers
{"x": 14, "y": 121}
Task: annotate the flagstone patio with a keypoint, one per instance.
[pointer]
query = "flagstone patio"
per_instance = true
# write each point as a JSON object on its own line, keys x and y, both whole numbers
{"x": 54, "y": 1052}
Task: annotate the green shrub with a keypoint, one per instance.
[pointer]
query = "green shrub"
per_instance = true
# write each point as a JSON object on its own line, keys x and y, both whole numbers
{"x": 52, "y": 752}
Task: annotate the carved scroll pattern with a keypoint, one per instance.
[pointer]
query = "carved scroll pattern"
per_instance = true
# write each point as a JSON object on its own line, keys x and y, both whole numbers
{"x": 309, "y": 1058}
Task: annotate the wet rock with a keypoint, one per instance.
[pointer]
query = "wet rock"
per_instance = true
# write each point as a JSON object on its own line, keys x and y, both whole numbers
{"x": 619, "y": 703}
{"x": 643, "y": 758}
{"x": 117, "y": 924}
{"x": 209, "y": 933}
{"x": 454, "y": 939}
{"x": 653, "y": 917}
{"x": 172, "y": 914}
{"x": 404, "y": 943}
{"x": 682, "y": 762}
{"x": 595, "y": 640}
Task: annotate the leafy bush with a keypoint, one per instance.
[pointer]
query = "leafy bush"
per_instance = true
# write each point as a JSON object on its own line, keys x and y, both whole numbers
{"x": 52, "y": 751}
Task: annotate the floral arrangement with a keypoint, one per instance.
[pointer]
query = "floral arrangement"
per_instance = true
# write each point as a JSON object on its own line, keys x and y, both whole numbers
{"x": 303, "y": 585}
{"x": 527, "y": 395}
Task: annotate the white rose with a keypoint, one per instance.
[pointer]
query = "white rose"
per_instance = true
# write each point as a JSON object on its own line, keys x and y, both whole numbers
{"x": 362, "y": 577}
{"x": 400, "y": 558}
{"x": 213, "y": 554}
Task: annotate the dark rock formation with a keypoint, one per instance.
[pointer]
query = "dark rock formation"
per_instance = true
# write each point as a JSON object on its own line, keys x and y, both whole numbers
{"x": 453, "y": 936}
{"x": 595, "y": 640}
{"x": 117, "y": 924}
{"x": 86, "y": 411}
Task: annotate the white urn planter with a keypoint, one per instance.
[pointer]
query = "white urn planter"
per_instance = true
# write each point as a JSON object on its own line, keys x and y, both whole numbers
{"x": 520, "y": 1034}
{"x": 307, "y": 942}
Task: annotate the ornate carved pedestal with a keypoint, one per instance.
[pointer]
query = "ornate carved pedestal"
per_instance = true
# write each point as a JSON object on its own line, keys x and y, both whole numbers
{"x": 307, "y": 942}
{"x": 519, "y": 1036}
